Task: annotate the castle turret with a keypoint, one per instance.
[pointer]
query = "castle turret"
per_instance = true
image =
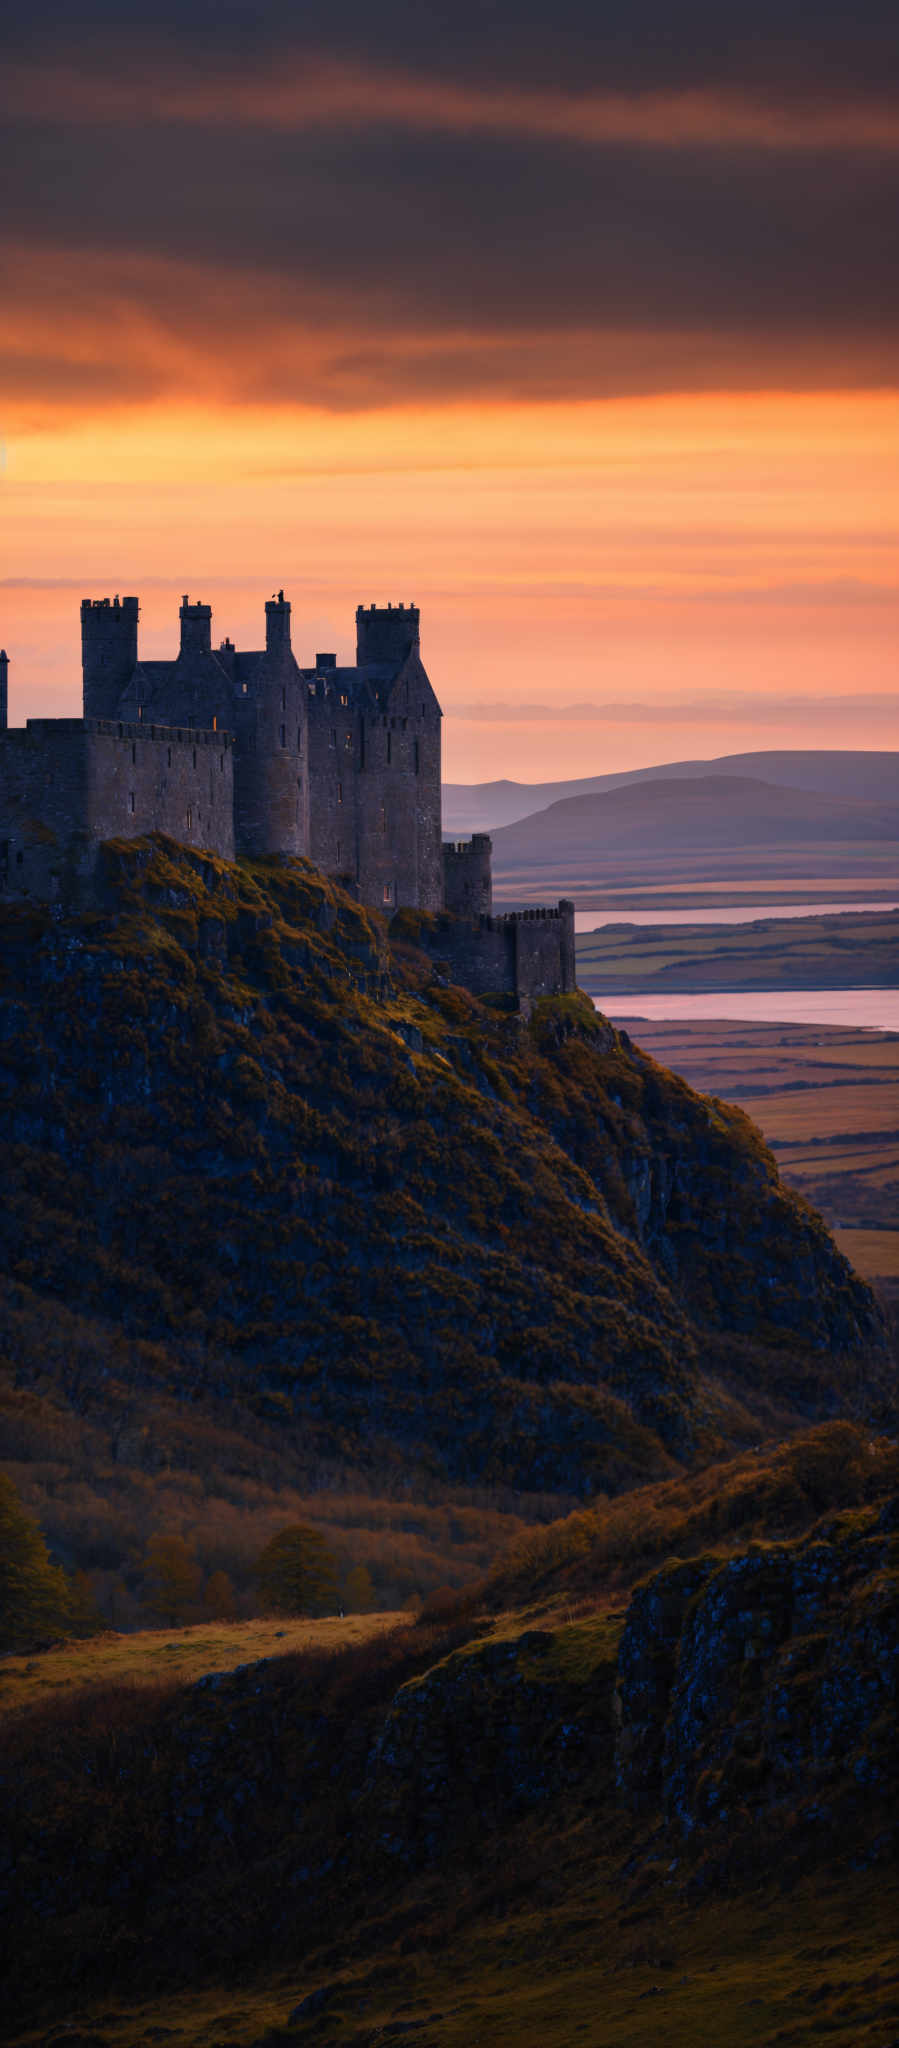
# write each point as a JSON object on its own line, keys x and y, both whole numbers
{"x": 4, "y": 683}
{"x": 196, "y": 628}
{"x": 108, "y": 651}
{"x": 277, "y": 625}
{"x": 386, "y": 634}
{"x": 468, "y": 876}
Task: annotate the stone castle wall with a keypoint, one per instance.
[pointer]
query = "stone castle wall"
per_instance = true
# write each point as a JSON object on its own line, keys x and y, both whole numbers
{"x": 523, "y": 954}
{"x": 69, "y": 783}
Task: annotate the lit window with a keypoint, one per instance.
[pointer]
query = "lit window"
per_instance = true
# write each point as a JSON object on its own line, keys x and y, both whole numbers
{"x": 343, "y": 697}
{"x": 140, "y": 711}
{"x": 244, "y": 688}
{"x": 215, "y": 723}
{"x": 388, "y": 892}
{"x": 347, "y": 742}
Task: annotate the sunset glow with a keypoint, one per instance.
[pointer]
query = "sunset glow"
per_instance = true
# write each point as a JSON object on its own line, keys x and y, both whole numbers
{"x": 414, "y": 330}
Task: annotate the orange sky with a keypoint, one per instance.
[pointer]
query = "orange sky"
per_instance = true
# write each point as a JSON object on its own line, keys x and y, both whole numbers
{"x": 586, "y": 343}
{"x": 687, "y": 568}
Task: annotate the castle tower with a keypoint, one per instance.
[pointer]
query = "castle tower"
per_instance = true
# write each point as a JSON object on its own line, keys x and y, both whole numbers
{"x": 277, "y": 626}
{"x": 467, "y": 876}
{"x": 4, "y": 682}
{"x": 108, "y": 651}
{"x": 196, "y": 628}
{"x": 386, "y": 633}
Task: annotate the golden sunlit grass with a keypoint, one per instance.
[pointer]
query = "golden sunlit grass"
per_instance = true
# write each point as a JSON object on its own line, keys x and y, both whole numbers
{"x": 183, "y": 1654}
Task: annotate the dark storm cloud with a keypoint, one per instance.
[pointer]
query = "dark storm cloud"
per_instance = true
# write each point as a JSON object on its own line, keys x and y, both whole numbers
{"x": 363, "y": 246}
{"x": 505, "y": 234}
{"x": 789, "y": 45}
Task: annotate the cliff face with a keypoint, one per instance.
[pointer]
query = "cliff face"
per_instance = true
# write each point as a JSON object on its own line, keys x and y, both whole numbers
{"x": 245, "y": 1129}
{"x": 733, "y": 1722}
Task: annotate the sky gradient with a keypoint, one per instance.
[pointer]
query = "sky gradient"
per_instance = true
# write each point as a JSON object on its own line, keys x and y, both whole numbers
{"x": 579, "y": 329}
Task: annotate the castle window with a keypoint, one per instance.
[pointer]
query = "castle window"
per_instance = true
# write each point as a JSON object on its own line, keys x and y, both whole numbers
{"x": 284, "y": 700}
{"x": 140, "y": 711}
{"x": 282, "y": 734}
{"x": 190, "y": 819}
{"x": 340, "y": 792}
{"x": 19, "y": 858}
{"x": 417, "y": 758}
{"x": 133, "y": 751}
{"x": 389, "y": 747}
{"x": 312, "y": 689}
{"x": 215, "y": 724}
{"x": 222, "y": 763}
{"x": 343, "y": 697}
{"x": 195, "y": 756}
{"x": 170, "y": 756}
{"x": 383, "y": 819}
{"x": 347, "y": 742}
{"x": 388, "y": 892}
{"x": 333, "y": 738}
{"x": 131, "y": 800}
{"x": 244, "y": 687}
{"x": 299, "y": 740}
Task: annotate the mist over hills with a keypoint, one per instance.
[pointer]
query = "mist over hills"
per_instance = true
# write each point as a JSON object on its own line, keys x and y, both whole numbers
{"x": 691, "y": 813}
{"x": 863, "y": 777}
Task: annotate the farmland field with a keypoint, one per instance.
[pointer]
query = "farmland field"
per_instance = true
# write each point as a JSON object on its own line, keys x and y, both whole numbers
{"x": 827, "y": 1101}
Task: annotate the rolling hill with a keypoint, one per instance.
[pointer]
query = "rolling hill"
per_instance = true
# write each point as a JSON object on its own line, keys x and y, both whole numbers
{"x": 854, "y": 776}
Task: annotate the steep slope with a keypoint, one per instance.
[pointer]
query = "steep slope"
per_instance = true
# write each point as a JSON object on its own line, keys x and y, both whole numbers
{"x": 296, "y": 1176}
{"x": 847, "y": 774}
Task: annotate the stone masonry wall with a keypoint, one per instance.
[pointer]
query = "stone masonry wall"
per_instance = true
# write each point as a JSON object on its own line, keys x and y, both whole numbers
{"x": 67, "y": 784}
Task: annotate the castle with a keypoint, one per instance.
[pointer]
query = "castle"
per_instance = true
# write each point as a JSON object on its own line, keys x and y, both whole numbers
{"x": 249, "y": 754}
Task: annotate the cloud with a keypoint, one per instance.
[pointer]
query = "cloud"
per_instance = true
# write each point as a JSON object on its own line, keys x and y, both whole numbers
{"x": 735, "y": 709}
{"x": 349, "y": 208}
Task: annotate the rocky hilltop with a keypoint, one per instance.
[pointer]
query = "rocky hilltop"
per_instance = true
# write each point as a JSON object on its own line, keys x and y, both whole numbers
{"x": 257, "y": 1137}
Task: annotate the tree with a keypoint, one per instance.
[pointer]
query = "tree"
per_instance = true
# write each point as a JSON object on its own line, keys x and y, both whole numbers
{"x": 172, "y": 1580}
{"x": 296, "y": 1573}
{"x": 35, "y": 1599}
{"x": 219, "y": 1598}
{"x": 358, "y": 1592}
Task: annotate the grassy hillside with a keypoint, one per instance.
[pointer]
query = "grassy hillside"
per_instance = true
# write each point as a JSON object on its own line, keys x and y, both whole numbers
{"x": 268, "y": 1167}
{"x": 657, "y": 1787}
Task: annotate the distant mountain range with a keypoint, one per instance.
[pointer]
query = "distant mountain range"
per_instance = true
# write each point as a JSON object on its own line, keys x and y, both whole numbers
{"x": 851, "y": 776}
{"x": 697, "y": 814}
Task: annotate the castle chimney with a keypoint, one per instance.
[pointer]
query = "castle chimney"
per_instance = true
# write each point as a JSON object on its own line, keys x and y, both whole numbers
{"x": 196, "y": 627}
{"x": 4, "y": 681}
{"x": 277, "y": 624}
